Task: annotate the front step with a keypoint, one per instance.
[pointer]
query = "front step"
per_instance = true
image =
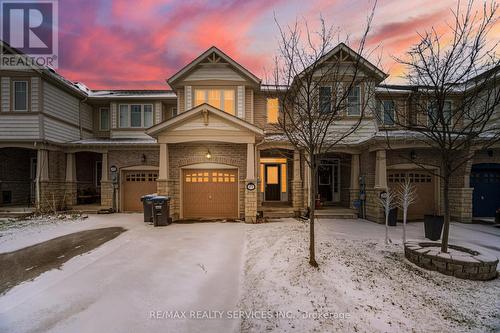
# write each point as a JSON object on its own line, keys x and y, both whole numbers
{"x": 336, "y": 213}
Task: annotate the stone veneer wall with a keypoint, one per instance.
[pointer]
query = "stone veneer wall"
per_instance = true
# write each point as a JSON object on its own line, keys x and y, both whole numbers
{"x": 54, "y": 192}
{"x": 184, "y": 154}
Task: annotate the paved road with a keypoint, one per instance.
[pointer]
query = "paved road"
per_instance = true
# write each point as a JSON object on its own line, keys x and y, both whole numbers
{"x": 117, "y": 287}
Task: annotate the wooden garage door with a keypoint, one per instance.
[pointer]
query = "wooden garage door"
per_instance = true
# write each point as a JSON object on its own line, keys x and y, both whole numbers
{"x": 424, "y": 183}
{"x": 136, "y": 184}
{"x": 210, "y": 193}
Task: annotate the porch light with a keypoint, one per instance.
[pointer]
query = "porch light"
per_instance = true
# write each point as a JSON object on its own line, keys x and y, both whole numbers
{"x": 208, "y": 155}
{"x": 413, "y": 155}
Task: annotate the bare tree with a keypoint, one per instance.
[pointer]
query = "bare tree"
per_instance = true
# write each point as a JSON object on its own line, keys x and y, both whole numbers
{"x": 407, "y": 195}
{"x": 315, "y": 75}
{"x": 388, "y": 202}
{"x": 455, "y": 80}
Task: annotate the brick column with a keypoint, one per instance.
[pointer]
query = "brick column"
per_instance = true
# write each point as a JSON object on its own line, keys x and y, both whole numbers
{"x": 373, "y": 209}
{"x": 251, "y": 195}
{"x": 297, "y": 188}
{"x": 42, "y": 178}
{"x": 106, "y": 185}
{"x": 71, "y": 181}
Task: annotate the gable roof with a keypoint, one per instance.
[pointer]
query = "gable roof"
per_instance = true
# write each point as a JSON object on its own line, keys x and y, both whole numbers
{"x": 156, "y": 129}
{"x": 186, "y": 69}
{"x": 367, "y": 64}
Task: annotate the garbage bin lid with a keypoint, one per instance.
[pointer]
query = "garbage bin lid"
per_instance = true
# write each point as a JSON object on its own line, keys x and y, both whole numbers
{"x": 160, "y": 198}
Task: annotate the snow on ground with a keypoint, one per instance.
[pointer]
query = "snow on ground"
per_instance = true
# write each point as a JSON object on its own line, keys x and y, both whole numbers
{"x": 361, "y": 285}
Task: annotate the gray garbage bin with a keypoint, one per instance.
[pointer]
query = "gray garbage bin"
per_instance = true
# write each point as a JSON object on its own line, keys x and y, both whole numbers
{"x": 147, "y": 207}
{"x": 161, "y": 210}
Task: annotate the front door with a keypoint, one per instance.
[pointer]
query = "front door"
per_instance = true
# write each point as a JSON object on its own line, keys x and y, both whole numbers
{"x": 485, "y": 179}
{"x": 328, "y": 181}
{"x": 272, "y": 182}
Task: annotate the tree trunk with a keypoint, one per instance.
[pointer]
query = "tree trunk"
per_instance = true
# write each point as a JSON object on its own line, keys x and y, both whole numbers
{"x": 312, "y": 206}
{"x": 386, "y": 210}
{"x": 446, "y": 203}
{"x": 405, "y": 211}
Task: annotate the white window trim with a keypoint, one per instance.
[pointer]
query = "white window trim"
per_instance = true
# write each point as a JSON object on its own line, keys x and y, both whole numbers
{"x": 382, "y": 112}
{"x": 359, "y": 102}
{"x": 451, "y": 109}
{"x": 100, "y": 118}
{"x": 331, "y": 96}
{"x": 221, "y": 97}
{"x": 129, "y": 120}
{"x": 14, "y": 95}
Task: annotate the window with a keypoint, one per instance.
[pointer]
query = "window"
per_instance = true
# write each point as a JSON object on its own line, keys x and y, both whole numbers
{"x": 223, "y": 99}
{"x": 272, "y": 110}
{"x": 387, "y": 112}
{"x": 136, "y": 115}
{"x": 325, "y": 99}
{"x": 354, "y": 101}
{"x": 433, "y": 118}
{"x": 20, "y": 95}
{"x": 104, "y": 119}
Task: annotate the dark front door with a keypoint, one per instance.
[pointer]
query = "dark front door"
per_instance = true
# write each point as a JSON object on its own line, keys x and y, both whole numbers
{"x": 485, "y": 179}
{"x": 273, "y": 182}
{"x": 325, "y": 183}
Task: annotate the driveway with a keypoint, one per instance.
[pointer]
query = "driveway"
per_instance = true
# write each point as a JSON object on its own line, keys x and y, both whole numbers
{"x": 134, "y": 282}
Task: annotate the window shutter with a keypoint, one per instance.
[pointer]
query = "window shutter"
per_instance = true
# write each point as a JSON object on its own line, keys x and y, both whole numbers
{"x": 158, "y": 113}
{"x": 340, "y": 91}
{"x": 6, "y": 94}
{"x": 113, "y": 115}
{"x": 240, "y": 109}
{"x": 369, "y": 94}
{"x": 188, "y": 96}
{"x": 35, "y": 97}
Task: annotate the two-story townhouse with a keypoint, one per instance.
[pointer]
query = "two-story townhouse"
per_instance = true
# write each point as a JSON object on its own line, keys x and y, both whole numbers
{"x": 209, "y": 143}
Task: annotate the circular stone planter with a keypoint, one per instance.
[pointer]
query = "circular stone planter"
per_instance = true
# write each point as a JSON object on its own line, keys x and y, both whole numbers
{"x": 459, "y": 261}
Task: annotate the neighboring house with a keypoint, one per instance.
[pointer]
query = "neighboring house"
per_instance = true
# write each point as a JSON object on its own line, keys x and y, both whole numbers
{"x": 202, "y": 143}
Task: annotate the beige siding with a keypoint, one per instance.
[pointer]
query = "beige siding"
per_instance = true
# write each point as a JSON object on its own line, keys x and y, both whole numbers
{"x": 22, "y": 127}
{"x": 249, "y": 105}
{"x": 35, "y": 94}
{"x": 57, "y": 131}
{"x": 60, "y": 104}
{"x": 188, "y": 97}
{"x": 180, "y": 100}
{"x": 158, "y": 113}
{"x": 86, "y": 116}
{"x": 214, "y": 72}
{"x": 5, "y": 90}
{"x": 259, "y": 109}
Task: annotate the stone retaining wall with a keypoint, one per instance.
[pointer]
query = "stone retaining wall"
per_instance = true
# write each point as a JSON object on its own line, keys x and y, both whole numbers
{"x": 459, "y": 262}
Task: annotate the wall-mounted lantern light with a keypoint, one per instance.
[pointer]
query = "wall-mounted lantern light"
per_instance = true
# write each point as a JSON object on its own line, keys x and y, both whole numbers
{"x": 143, "y": 158}
{"x": 413, "y": 155}
{"x": 208, "y": 155}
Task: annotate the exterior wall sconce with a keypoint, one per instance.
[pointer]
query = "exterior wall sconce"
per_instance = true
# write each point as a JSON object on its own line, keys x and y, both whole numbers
{"x": 490, "y": 152}
{"x": 208, "y": 155}
{"x": 143, "y": 158}
{"x": 413, "y": 155}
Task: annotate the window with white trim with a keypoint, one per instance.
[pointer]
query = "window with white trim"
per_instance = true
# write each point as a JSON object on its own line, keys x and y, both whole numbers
{"x": 104, "y": 119}
{"x": 354, "y": 101}
{"x": 325, "y": 99}
{"x": 20, "y": 95}
{"x": 387, "y": 112}
{"x": 135, "y": 115}
{"x": 433, "y": 118}
{"x": 223, "y": 99}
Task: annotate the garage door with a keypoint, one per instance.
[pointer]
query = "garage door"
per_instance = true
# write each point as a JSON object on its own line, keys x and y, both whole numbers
{"x": 134, "y": 185}
{"x": 425, "y": 188}
{"x": 210, "y": 193}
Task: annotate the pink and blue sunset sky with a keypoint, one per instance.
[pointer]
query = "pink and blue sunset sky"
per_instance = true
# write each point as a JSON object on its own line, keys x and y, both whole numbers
{"x": 137, "y": 44}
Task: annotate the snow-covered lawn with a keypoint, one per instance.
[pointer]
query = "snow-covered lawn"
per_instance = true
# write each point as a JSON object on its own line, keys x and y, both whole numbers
{"x": 361, "y": 284}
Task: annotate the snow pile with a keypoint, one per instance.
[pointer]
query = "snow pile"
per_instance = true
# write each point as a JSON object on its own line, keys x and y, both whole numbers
{"x": 360, "y": 286}
{"x": 10, "y": 228}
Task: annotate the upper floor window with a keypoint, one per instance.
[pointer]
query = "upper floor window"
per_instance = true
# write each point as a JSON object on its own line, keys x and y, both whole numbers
{"x": 387, "y": 112}
{"x": 273, "y": 108}
{"x": 135, "y": 115}
{"x": 354, "y": 101}
{"x": 433, "y": 117}
{"x": 104, "y": 119}
{"x": 20, "y": 95}
{"x": 325, "y": 99}
{"x": 223, "y": 99}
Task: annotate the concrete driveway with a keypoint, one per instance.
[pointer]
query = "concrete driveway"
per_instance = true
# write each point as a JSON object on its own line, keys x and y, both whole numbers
{"x": 135, "y": 282}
